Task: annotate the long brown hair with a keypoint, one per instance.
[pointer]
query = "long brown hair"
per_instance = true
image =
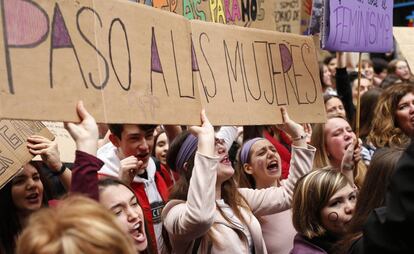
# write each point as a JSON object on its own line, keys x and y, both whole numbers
{"x": 381, "y": 168}
{"x": 369, "y": 101}
{"x": 385, "y": 130}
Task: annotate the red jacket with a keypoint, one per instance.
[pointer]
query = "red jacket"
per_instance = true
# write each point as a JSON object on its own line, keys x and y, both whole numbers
{"x": 282, "y": 150}
{"x": 163, "y": 181}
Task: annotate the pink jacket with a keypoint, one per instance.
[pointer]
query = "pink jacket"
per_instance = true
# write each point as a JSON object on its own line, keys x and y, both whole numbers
{"x": 199, "y": 217}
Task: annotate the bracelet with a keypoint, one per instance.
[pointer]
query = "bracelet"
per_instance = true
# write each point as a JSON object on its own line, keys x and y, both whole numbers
{"x": 302, "y": 136}
{"x": 61, "y": 170}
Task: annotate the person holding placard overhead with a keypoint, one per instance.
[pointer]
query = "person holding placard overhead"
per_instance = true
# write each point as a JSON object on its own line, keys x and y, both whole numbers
{"x": 259, "y": 167}
{"x": 206, "y": 212}
{"x": 112, "y": 193}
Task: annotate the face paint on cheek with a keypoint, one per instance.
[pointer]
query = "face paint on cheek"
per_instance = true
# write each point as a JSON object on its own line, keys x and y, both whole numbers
{"x": 333, "y": 216}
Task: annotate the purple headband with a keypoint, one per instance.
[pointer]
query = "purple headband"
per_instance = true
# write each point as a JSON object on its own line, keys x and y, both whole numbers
{"x": 187, "y": 149}
{"x": 244, "y": 154}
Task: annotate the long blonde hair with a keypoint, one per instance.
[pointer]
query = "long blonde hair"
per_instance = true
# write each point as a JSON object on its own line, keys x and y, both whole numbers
{"x": 321, "y": 156}
{"x": 77, "y": 225}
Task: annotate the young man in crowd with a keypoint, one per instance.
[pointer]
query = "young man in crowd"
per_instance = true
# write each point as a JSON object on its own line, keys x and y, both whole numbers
{"x": 128, "y": 157}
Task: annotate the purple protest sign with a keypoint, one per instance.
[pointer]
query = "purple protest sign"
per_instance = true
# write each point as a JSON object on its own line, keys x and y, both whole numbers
{"x": 358, "y": 26}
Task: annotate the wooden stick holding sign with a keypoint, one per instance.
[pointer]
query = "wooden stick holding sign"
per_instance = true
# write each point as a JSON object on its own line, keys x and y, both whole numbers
{"x": 358, "y": 106}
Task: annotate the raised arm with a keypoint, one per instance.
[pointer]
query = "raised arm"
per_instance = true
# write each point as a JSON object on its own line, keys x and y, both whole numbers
{"x": 194, "y": 217}
{"x": 49, "y": 152}
{"x": 343, "y": 86}
{"x": 350, "y": 160}
{"x": 172, "y": 131}
{"x": 277, "y": 199}
{"x": 86, "y": 166}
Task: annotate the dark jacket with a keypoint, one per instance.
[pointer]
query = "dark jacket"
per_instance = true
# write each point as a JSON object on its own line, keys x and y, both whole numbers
{"x": 389, "y": 229}
{"x": 344, "y": 90}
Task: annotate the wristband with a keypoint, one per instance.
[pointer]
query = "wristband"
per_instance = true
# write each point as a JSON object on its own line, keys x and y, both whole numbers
{"x": 61, "y": 170}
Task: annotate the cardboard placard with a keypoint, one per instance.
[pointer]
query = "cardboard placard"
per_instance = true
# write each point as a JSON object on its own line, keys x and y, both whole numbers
{"x": 276, "y": 15}
{"x": 287, "y": 16}
{"x": 130, "y": 64}
{"x": 357, "y": 26}
{"x": 246, "y": 75}
{"x": 405, "y": 39}
{"x": 13, "y": 145}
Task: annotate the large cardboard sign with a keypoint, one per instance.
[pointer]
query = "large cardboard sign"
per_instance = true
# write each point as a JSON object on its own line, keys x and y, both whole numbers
{"x": 405, "y": 39}
{"x": 131, "y": 63}
{"x": 357, "y": 25}
{"x": 125, "y": 60}
{"x": 251, "y": 73}
{"x": 13, "y": 150}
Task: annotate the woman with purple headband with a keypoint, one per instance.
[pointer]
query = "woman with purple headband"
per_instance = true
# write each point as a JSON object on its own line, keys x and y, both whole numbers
{"x": 207, "y": 213}
{"x": 259, "y": 168}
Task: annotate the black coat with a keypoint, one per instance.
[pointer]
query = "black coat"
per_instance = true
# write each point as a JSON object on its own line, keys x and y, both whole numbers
{"x": 390, "y": 229}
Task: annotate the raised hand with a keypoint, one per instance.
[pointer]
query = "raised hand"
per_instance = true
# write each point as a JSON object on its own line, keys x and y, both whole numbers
{"x": 293, "y": 129}
{"x": 357, "y": 152}
{"x": 47, "y": 149}
{"x": 86, "y": 132}
{"x": 307, "y": 127}
{"x": 351, "y": 158}
{"x": 205, "y": 134}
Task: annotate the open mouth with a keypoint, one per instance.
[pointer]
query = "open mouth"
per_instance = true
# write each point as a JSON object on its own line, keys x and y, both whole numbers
{"x": 273, "y": 166}
{"x": 347, "y": 145}
{"x": 142, "y": 157}
{"x": 225, "y": 160}
{"x": 137, "y": 233}
{"x": 33, "y": 198}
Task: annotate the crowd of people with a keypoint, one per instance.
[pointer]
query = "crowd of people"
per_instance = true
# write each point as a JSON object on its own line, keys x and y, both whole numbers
{"x": 289, "y": 188}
